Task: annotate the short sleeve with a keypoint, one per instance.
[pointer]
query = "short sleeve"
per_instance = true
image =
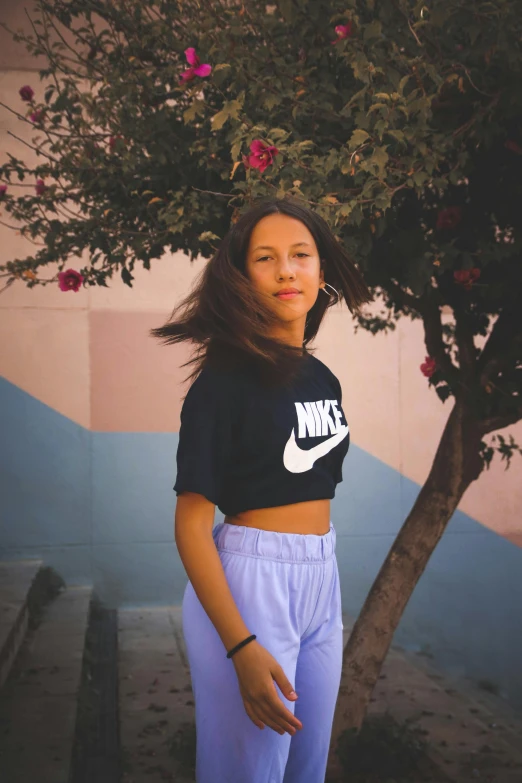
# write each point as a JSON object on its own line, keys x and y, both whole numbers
{"x": 205, "y": 435}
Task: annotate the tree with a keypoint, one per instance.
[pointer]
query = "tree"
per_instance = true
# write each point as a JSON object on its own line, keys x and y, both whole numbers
{"x": 400, "y": 122}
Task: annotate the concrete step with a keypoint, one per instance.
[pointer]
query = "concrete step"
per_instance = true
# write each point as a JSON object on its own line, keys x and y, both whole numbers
{"x": 38, "y": 703}
{"x": 16, "y": 578}
{"x": 157, "y": 733}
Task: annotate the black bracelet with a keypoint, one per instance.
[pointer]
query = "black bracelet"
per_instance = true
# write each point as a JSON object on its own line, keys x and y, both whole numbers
{"x": 240, "y": 645}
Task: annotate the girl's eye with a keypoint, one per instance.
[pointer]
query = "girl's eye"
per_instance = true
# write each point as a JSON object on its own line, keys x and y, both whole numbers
{"x": 299, "y": 254}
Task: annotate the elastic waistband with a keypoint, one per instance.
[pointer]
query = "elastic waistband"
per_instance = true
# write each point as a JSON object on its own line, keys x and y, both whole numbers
{"x": 287, "y": 547}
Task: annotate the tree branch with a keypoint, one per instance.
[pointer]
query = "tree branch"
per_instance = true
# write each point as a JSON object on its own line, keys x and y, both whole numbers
{"x": 499, "y": 422}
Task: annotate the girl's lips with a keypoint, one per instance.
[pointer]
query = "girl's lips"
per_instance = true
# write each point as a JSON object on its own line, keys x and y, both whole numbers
{"x": 287, "y": 296}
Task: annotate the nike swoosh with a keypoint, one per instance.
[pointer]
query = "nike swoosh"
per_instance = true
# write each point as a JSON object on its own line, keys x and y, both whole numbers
{"x": 298, "y": 460}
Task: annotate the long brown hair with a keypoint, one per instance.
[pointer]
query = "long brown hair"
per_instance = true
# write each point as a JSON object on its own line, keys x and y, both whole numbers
{"x": 230, "y": 323}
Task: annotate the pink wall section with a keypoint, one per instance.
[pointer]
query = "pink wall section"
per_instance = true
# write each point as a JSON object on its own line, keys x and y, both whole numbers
{"x": 136, "y": 382}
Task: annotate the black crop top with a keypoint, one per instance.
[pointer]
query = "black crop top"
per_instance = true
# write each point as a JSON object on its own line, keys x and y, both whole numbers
{"x": 244, "y": 446}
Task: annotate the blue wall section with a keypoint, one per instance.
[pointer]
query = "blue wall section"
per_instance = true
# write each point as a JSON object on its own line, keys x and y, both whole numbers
{"x": 99, "y": 508}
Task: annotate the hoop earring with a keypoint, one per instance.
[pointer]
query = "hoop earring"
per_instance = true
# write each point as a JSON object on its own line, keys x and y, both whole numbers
{"x": 331, "y": 286}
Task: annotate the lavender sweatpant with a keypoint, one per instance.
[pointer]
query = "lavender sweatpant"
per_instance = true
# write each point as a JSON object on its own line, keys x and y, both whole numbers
{"x": 286, "y": 587}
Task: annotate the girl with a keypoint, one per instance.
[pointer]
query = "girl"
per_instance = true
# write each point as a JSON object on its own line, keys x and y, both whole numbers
{"x": 263, "y": 437}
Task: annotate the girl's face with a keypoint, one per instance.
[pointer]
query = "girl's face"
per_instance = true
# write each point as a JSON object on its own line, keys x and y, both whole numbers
{"x": 282, "y": 254}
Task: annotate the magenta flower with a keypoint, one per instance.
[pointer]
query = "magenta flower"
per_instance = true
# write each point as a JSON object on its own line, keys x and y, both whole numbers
{"x": 428, "y": 367}
{"x": 70, "y": 280}
{"x": 198, "y": 68}
{"x": 449, "y": 218}
{"x": 37, "y": 116}
{"x": 40, "y": 187}
{"x": 3, "y": 189}
{"x": 343, "y": 31}
{"x": 262, "y": 155}
{"x": 26, "y": 93}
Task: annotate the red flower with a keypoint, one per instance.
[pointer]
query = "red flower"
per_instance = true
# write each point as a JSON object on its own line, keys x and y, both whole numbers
{"x": 37, "y": 116}
{"x": 40, "y": 187}
{"x": 26, "y": 93}
{"x": 428, "y": 367}
{"x": 449, "y": 218}
{"x": 466, "y": 277}
{"x": 198, "y": 68}
{"x": 343, "y": 31}
{"x": 261, "y": 155}
{"x": 3, "y": 189}
{"x": 70, "y": 280}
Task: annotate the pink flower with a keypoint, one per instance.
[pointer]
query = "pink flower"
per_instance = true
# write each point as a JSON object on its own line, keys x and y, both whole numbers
{"x": 70, "y": 280}
{"x": 40, "y": 187}
{"x": 343, "y": 31}
{"x": 3, "y": 189}
{"x": 26, "y": 93}
{"x": 198, "y": 69}
{"x": 261, "y": 155}
{"x": 449, "y": 218}
{"x": 37, "y": 116}
{"x": 428, "y": 367}
{"x": 466, "y": 277}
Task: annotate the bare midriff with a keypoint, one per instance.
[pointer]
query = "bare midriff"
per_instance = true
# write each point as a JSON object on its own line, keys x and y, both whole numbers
{"x": 310, "y": 516}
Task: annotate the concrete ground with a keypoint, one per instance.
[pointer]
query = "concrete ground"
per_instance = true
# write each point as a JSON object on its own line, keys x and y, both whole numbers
{"x": 473, "y": 735}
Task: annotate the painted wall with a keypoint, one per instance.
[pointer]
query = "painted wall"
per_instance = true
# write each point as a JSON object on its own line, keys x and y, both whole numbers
{"x": 89, "y": 410}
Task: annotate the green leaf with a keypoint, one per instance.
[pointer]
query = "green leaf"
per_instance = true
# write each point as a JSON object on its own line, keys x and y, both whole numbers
{"x": 372, "y": 30}
{"x": 383, "y": 199}
{"x": 397, "y": 134}
{"x": 402, "y": 83}
{"x": 278, "y": 134}
{"x": 197, "y": 108}
{"x": 360, "y": 67}
{"x": 286, "y": 7}
{"x": 358, "y": 137}
{"x": 375, "y": 106}
{"x": 236, "y": 149}
{"x": 126, "y": 276}
{"x": 378, "y": 160}
{"x": 230, "y": 109}
{"x": 271, "y": 100}
{"x": 207, "y": 235}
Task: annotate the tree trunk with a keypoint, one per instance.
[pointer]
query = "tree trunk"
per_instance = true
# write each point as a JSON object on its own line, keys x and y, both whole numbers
{"x": 457, "y": 463}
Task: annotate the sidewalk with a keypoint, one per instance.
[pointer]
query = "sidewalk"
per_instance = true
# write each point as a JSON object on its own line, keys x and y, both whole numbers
{"x": 473, "y": 735}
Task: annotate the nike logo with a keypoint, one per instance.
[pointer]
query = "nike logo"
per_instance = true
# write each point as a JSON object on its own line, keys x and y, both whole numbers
{"x": 314, "y": 418}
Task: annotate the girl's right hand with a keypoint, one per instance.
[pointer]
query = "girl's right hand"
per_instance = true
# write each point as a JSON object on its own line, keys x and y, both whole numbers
{"x": 256, "y": 671}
